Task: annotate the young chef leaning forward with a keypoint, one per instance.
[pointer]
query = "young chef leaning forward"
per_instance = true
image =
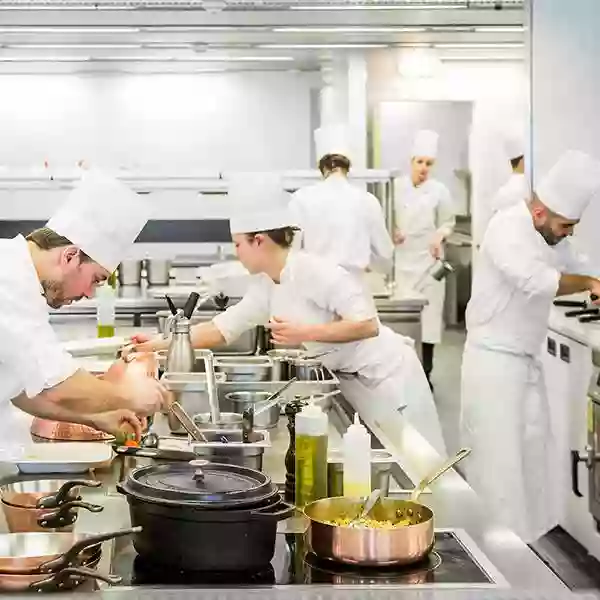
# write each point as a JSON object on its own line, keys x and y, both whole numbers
{"x": 79, "y": 248}
{"x": 305, "y": 300}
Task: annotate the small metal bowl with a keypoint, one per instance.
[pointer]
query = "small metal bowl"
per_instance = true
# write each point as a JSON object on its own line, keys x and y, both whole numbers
{"x": 228, "y": 421}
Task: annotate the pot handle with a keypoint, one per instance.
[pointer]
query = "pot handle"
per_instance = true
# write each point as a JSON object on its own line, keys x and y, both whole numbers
{"x": 65, "y": 515}
{"x": 70, "y": 556}
{"x": 275, "y": 512}
{"x": 72, "y": 575}
{"x": 54, "y": 500}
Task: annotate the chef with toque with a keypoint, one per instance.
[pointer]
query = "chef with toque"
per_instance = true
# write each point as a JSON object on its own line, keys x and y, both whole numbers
{"x": 525, "y": 261}
{"x": 65, "y": 261}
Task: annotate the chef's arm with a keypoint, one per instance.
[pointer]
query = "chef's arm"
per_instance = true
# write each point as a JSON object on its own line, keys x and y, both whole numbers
{"x": 340, "y": 332}
{"x": 446, "y": 216}
{"x": 45, "y": 408}
{"x": 207, "y": 335}
{"x": 83, "y": 392}
{"x": 573, "y": 284}
{"x": 382, "y": 247}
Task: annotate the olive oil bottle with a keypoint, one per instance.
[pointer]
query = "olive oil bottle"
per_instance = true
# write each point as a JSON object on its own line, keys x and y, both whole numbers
{"x": 106, "y": 296}
{"x": 311, "y": 455}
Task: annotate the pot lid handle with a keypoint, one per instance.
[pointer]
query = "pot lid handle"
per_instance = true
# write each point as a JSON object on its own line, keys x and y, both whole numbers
{"x": 199, "y": 473}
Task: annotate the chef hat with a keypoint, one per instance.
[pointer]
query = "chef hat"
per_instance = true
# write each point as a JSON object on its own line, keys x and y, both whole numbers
{"x": 332, "y": 139}
{"x": 258, "y": 202}
{"x": 514, "y": 143}
{"x": 425, "y": 144}
{"x": 570, "y": 185}
{"x": 102, "y": 217}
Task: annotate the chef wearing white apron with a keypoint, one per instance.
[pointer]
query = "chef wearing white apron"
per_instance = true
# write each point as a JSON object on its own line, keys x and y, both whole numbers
{"x": 506, "y": 419}
{"x": 308, "y": 300}
{"x": 338, "y": 220}
{"x": 101, "y": 218}
{"x": 425, "y": 217}
{"x": 516, "y": 189}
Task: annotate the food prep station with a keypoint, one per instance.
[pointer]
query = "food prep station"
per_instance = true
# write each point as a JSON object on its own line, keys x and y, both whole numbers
{"x": 470, "y": 552}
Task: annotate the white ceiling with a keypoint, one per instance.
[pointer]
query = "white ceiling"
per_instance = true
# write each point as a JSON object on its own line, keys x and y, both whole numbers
{"x": 55, "y": 36}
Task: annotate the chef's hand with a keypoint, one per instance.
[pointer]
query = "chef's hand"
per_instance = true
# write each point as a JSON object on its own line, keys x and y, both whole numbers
{"x": 146, "y": 395}
{"x": 115, "y": 422}
{"x": 140, "y": 342}
{"x": 435, "y": 247}
{"x": 398, "y": 237}
{"x": 288, "y": 334}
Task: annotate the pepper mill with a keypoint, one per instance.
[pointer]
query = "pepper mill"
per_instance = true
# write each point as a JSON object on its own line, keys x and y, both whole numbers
{"x": 291, "y": 410}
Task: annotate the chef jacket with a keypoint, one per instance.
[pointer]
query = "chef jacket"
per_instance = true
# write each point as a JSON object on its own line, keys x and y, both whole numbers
{"x": 315, "y": 291}
{"x": 343, "y": 223}
{"x": 31, "y": 357}
{"x": 514, "y": 190}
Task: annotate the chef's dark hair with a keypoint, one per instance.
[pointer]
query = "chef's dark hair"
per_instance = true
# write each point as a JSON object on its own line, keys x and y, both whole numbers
{"x": 47, "y": 239}
{"x": 330, "y": 162}
{"x": 514, "y": 162}
{"x": 283, "y": 237}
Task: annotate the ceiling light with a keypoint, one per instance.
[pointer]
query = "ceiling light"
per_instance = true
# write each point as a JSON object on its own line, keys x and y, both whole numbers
{"x": 320, "y": 46}
{"x": 18, "y": 29}
{"x": 500, "y": 29}
{"x": 74, "y": 46}
{"x": 44, "y": 58}
{"x": 379, "y": 7}
{"x": 480, "y": 58}
{"x": 349, "y": 29}
{"x": 479, "y": 45}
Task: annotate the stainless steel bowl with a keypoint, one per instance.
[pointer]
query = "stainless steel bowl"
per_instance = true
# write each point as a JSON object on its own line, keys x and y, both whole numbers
{"x": 228, "y": 421}
{"x": 243, "y": 400}
{"x": 282, "y": 363}
{"x": 158, "y": 272}
{"x": 308, "y": 369}
{"x": 130, "y": 272}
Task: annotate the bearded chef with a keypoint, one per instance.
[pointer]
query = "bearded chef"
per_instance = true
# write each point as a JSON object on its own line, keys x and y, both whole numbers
{"x": 525, "y": 261}
{"x": 516, "y": 188}
{"x": 425, "y": 217}
{"x": 305, "y": 299}
{"x": 78, "y": 249}
{"x": 338, "y": 220}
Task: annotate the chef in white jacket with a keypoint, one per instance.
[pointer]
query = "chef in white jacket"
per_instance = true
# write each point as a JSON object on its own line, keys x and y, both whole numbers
{"x": 59, "y": 264}
{"x": 308, "y": 300}
{"x": 425, "y": 217}
{"x": 339, "y": 220}
{"x": 524, "y": 262}
{"x": 516, "y": 188}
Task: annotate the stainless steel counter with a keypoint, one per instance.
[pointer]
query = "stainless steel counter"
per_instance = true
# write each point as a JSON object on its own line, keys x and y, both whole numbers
{"x": 455, "y": 505}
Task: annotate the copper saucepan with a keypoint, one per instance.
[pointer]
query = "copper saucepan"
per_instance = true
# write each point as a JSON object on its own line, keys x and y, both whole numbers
{"x": 44, "y": 429}
{"x": 44, "y": 504}
{"x": 370, "y": 546}
{"x": 66, "y": 578}
{"x": 32, "y": 553}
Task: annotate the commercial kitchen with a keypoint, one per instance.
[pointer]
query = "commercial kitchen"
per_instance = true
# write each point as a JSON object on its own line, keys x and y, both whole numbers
{"x": 175, "y": 98}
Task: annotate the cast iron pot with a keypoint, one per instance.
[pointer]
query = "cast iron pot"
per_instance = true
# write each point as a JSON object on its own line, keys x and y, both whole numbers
{"x": 204, "y": 516}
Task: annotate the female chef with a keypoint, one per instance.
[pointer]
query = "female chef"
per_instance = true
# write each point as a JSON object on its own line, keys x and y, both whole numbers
{"x": 306, "y": 300}
{"x": 425, "y": 217}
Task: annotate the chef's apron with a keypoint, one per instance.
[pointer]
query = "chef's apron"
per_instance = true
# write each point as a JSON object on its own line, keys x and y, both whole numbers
{"x": 417, "y": 222}
{"x": 505, "y": 420}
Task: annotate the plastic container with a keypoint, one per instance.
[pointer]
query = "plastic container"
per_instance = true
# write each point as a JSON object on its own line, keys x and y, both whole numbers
{"x": 356, "y": 448}
{"x": 311, "y": 455}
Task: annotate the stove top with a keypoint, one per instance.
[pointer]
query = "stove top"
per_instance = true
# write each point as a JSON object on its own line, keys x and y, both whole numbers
{"x": 451, "y": 563}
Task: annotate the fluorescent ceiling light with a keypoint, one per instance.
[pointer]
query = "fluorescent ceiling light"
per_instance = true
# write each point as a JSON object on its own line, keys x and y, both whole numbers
{"x": 18, "y": 29}
{"x": 479, "y": 45}
{"x": 379, "y": 7}
{"x": 349, "y": 29}
{"x": 480, "y": 58}
{"x": 75, "y": 46}
{"x": 320, "y": 46}
{"x": 44, "y": 58}
{"x": 500, "y": 29}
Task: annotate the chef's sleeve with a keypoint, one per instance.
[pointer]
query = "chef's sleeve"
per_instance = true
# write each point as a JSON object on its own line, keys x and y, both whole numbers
{"x": 30, "y": 347}
{"x": 295, "y": 208}
{"x": 252, "y": 310}
{"x": 518, "y": 257}
{"x": 446, "y": 213}
{"x": 334, "y": 289}
{"x": 382, "y": 248}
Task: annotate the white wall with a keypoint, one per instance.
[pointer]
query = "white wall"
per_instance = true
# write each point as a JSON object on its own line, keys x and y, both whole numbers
{"x": 499, "y": 92}
{"x": 566, "y": 92}
{"x": 211, "y": 121}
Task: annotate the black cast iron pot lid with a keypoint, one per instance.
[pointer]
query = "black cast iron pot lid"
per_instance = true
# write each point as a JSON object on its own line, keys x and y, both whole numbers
{"x": 200, "y": 483}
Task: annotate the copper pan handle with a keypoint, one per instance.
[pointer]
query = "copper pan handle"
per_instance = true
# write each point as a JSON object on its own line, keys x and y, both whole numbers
{"x": 463, "y": 453}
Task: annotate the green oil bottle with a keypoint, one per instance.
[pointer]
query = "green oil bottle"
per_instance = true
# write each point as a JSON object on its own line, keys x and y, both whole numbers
{"x": 106, "y": 296}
